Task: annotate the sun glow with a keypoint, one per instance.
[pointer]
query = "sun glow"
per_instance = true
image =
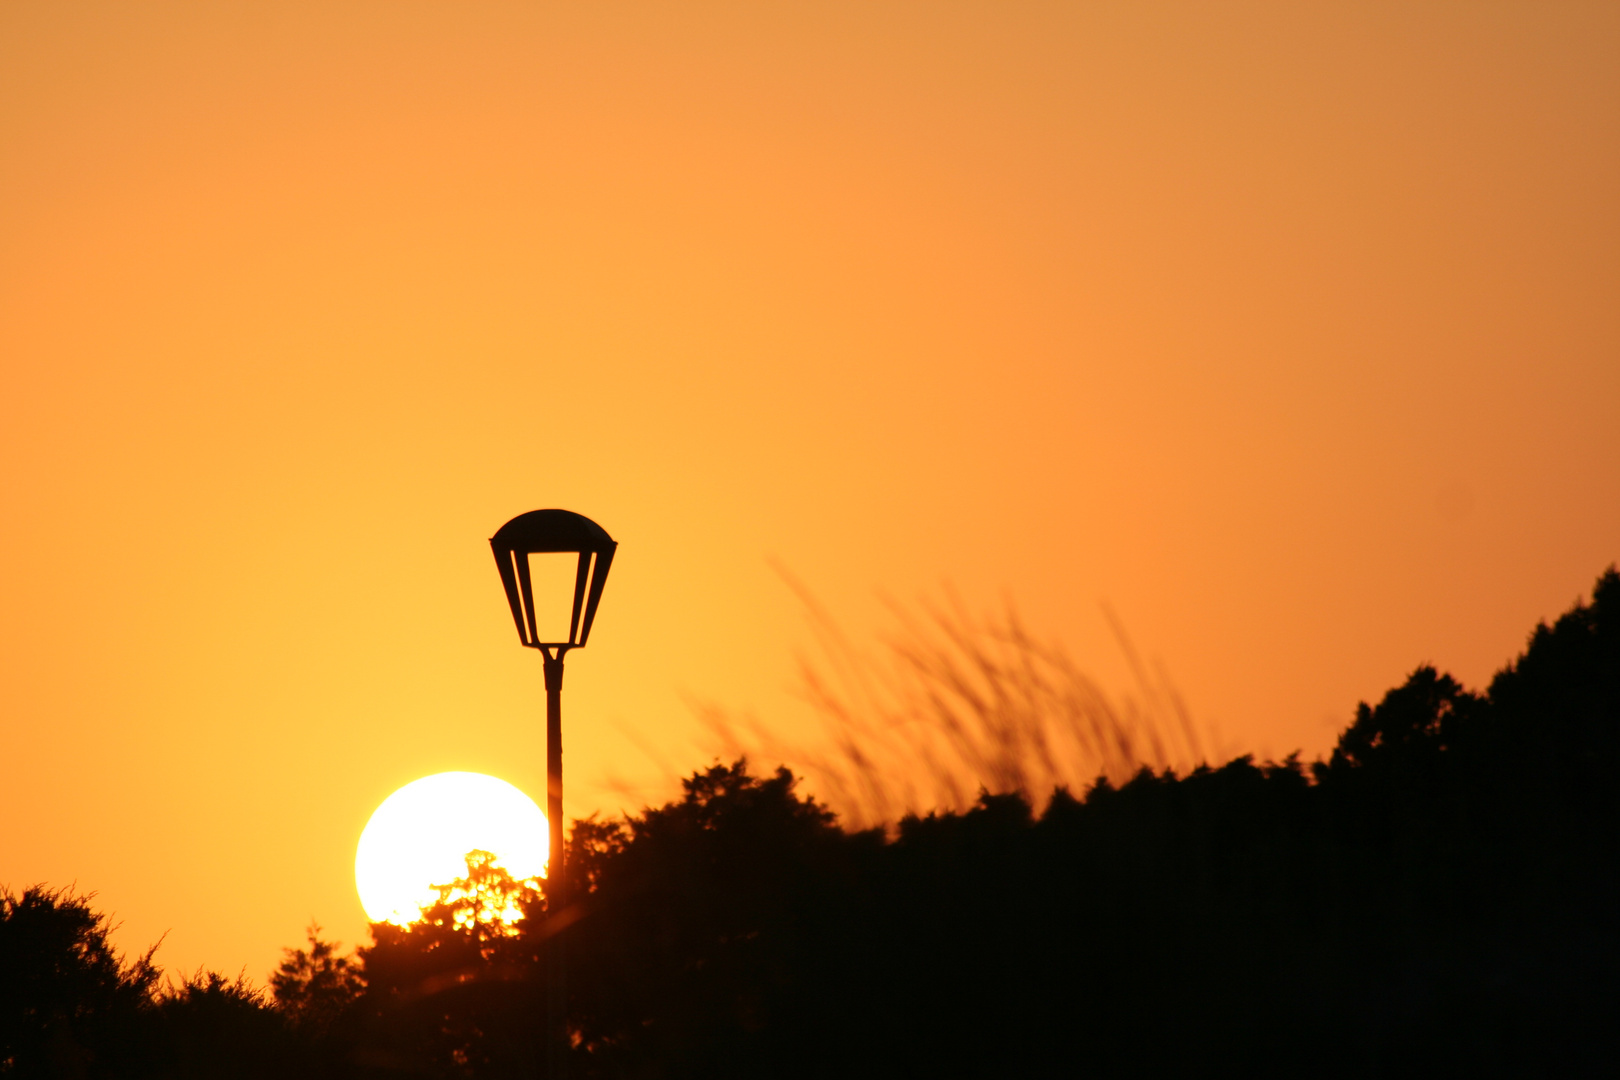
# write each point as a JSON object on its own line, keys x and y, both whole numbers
{"x": 420, "y": 836}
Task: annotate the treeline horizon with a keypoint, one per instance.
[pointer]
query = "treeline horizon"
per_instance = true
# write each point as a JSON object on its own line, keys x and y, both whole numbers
{"x": 1441, "y": 892}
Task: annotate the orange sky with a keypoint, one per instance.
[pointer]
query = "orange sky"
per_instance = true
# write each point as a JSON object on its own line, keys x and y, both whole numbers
{"x": 1288, "y": 330}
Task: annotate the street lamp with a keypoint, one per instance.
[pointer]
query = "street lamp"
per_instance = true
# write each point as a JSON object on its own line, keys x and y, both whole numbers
{"x": 554, "y": 532}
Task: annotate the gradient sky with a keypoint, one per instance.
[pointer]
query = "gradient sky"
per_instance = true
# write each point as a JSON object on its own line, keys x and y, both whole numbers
{"x": 1288, "y": 330}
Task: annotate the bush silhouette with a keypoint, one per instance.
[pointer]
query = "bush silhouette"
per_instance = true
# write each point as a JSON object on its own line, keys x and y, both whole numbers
{"x": 69, "y": 1004}
{"x": 210, "y": 1026}
{"x": 1439, "y": 895}
{"x": 453, "y": 993}
{"x": 315, "y": 989}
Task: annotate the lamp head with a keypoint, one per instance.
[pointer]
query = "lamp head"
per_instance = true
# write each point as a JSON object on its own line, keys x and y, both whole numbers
{"x": 553, "y": 531}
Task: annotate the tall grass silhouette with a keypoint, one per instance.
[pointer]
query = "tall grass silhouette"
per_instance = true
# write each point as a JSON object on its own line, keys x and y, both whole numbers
{"x": 954, "y": 704}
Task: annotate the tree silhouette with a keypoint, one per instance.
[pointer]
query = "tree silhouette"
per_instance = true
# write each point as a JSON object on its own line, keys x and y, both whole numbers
{"x": 69, "y": 1004}
{"x": 453, "y": 993}
{"x": 314, "y": 987}
{"x": 1438, "y": 896}
{"x": 706, "y": 917}
{"x": 211, "y": 1026}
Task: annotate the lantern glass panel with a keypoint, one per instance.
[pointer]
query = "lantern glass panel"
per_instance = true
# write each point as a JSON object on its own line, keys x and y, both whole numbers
{"x": 552, "y": 575}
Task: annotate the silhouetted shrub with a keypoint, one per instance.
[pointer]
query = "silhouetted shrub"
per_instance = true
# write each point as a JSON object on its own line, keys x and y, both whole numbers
{"x": 314, "y": 987}
{"x": 1439, "y": 896}
{"x": 210, "y": 1027}
{"x": 69, "y": 1004}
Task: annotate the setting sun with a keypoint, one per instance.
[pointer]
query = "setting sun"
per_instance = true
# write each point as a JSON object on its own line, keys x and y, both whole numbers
{"x": 420, "y": 836}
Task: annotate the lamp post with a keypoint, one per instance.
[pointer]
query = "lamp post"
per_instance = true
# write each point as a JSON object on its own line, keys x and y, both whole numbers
{"x": 553, "y": 532}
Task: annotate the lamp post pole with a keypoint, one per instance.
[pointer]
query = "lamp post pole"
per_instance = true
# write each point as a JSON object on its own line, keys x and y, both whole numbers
{"x": 554, "y": 776}
{"x": 556, "y": 877}
{"x": 554, "y": 532}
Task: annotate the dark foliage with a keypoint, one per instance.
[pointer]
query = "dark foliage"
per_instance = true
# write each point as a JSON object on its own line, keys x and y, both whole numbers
{"x": 1439, "y": 896}
{"x": 69, "y": 1005}
{"x": 456, "y": 993}
{"x": 313, "y": 988}
{"x": 210, "y": 1026}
